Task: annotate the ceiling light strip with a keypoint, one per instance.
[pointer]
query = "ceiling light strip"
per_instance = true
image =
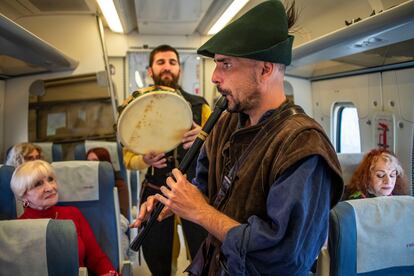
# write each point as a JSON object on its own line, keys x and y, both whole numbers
{"x": 225, "y": 18}
{"x": 111, "y": 15}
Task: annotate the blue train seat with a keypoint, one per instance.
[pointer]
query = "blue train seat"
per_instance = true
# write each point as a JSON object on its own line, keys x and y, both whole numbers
{"x": 114, "y": 149}
{"x": 134, "y": 180}
{"x": 370, "y": 237}
{"x": 38, "y": 247}
{"x": 90, "y": 186}
{"x": 51, "y": 152}
{"x": 349, "y": 162}
{"x": 7, "y": 199}
{"x": 115, "y": 152}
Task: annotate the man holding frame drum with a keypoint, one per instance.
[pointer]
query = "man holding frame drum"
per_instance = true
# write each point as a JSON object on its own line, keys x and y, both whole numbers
{"x": 159, "y": 247}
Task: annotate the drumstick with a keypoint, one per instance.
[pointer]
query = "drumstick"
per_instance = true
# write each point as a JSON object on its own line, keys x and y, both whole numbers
{"x": 221, "y": 105}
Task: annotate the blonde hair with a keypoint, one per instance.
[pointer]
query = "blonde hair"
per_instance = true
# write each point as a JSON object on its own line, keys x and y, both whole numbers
{"x": 20, "y": 151}
{"x": 26, "y": 175}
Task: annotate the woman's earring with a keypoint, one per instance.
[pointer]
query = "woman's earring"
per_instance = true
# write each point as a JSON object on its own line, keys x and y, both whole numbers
{"x": 25, "y": 203}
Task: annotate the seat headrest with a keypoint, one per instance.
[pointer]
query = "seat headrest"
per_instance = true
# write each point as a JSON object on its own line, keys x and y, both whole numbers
{"x": 382, "y": 232}
{"x": 349, "y": 162}
{"x": 112, "y": 148}
{"x": 15, "y": 238}
{"x": 77, "y": 180}
{"x": 7, "y": 198}
{"x": 46, "y": 150}
{"x": 38, "y": 247}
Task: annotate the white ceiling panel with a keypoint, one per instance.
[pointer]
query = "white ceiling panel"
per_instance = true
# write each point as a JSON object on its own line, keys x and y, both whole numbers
{"x": 170, "y": 17}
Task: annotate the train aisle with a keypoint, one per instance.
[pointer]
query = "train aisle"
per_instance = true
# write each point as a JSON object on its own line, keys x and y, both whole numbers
{"x": 182, "y": 262}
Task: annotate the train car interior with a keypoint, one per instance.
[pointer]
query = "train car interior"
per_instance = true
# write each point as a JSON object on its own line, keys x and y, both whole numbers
{"x": 67, "y": 66}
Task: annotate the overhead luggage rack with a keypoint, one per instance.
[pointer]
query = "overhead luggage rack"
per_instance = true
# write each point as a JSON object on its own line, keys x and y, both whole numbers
{"x": 23, "y": 53}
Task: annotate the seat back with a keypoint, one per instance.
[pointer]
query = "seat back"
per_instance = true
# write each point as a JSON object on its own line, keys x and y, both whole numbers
{"x": 80, "y": 152}
{"x": 90, "y": 186}
{"x": 51, "y": 152}
{"x": 134, "y": 180}
{"x": 117, "y": 159}
{"x": 372, "y": 237}
{"x": 7, "y": 154}
{"x": 114, "y": 149}
{"x": 349, "y": 162}
{"x": 38, "y": 247}
{"x": 7, "y": 199}
{"x": 116, "y": 155}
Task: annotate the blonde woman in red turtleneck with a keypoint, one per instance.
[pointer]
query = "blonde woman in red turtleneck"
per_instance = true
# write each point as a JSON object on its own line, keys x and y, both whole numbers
{"x": 35, "y": 184}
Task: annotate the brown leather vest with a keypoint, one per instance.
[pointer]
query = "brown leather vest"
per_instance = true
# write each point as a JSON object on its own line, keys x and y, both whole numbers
{"x": 284, "y": 143}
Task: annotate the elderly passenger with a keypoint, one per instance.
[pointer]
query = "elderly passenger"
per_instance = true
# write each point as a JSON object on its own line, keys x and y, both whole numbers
{"x": 23, "y": 152}
{"x": 35, "y": 184}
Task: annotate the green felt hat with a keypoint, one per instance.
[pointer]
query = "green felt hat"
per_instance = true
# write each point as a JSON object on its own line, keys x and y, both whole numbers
{"x": 260, "y": 34}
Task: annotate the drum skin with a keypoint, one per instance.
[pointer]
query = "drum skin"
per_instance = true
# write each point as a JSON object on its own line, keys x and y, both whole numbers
{"x": 154, "y": 121}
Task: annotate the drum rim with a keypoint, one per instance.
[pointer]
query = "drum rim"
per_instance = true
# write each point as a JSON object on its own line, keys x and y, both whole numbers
{"x": 147, "y": 94}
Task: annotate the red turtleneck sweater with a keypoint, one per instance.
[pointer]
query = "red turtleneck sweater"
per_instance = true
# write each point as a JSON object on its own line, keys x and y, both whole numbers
{"x": 90, "y": 254}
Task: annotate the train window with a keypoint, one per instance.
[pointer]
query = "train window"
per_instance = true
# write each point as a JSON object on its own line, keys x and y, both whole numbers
{"x": 348, "y": 139}
{"x": 55, "y": 121}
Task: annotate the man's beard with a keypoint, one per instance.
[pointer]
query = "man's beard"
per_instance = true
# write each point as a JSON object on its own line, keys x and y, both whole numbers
{"x": 172, "y": 82}
{"x": 236, "y": 105}
{"x": 225, "y": 92}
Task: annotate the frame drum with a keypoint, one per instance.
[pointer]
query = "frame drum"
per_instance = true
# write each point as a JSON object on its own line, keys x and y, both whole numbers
{"x": 154, "y": 121}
